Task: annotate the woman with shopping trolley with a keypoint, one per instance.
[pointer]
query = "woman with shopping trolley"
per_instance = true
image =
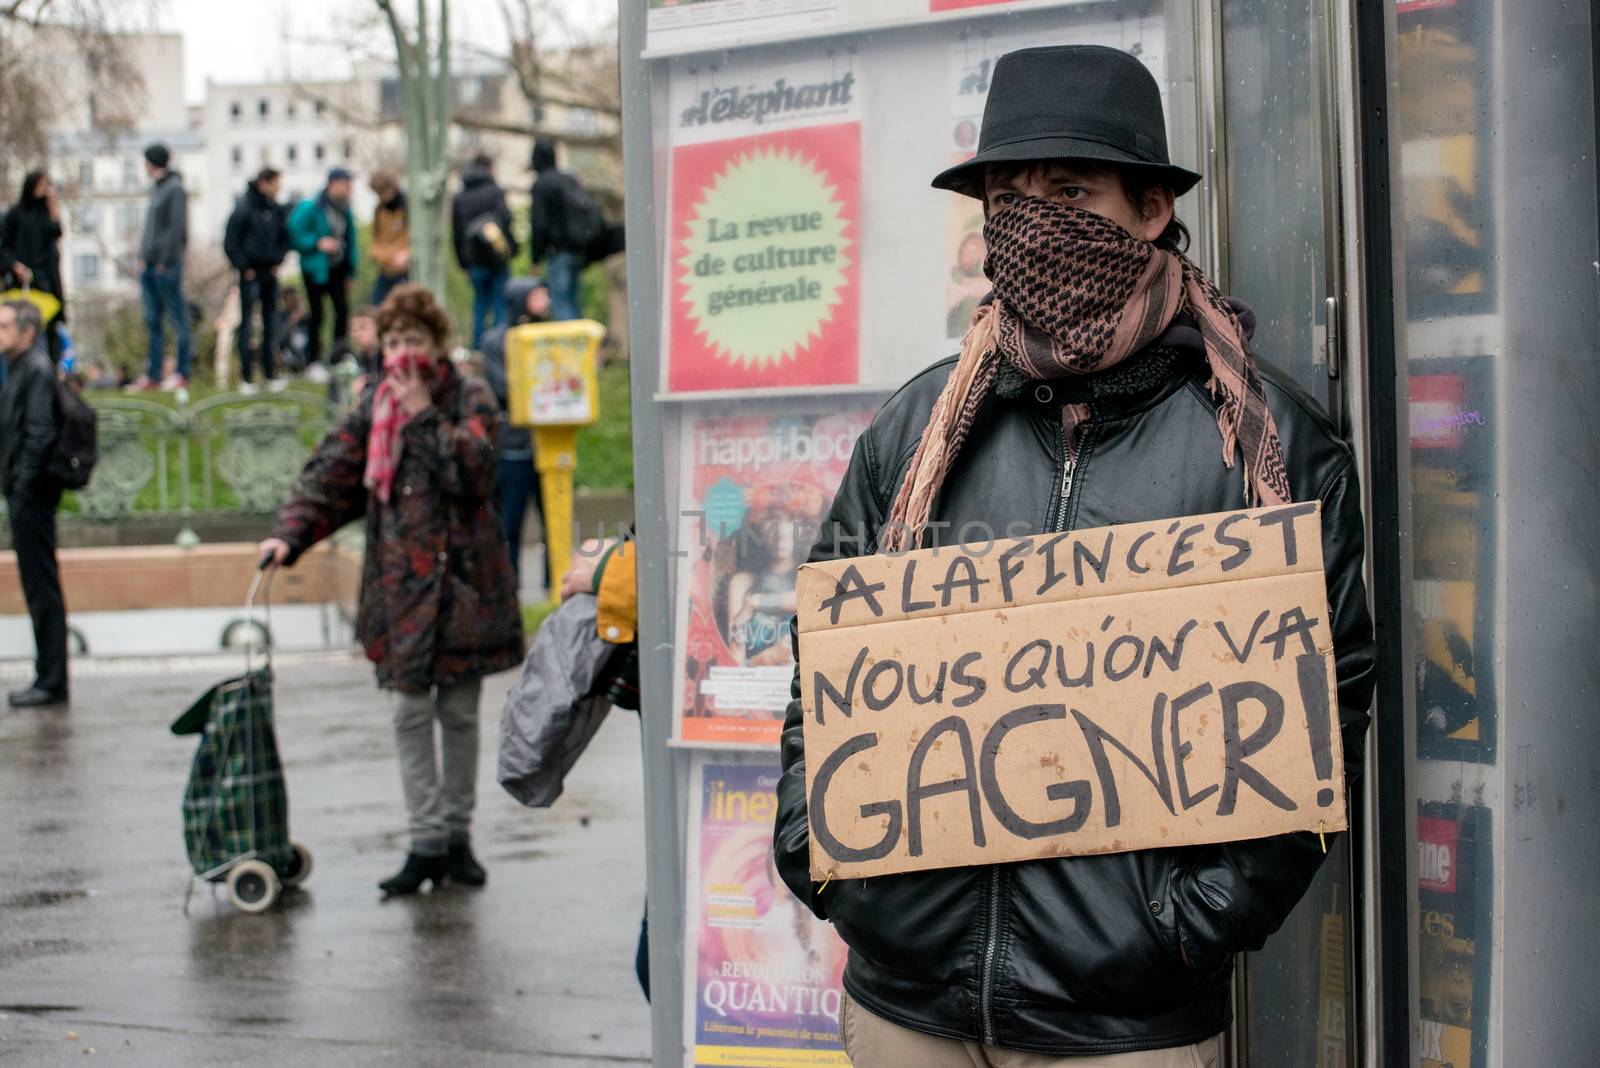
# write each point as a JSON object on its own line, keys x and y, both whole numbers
{"x": 438, "y": 611}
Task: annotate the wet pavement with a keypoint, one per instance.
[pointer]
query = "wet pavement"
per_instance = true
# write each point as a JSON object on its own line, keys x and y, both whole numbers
{"x": 95, "y": 953}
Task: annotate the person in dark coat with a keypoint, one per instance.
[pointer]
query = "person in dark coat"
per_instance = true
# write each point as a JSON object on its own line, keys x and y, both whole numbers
{"x": 256, "y": 242}
{"x": 1127, "y": 392}
{"x": 30, "y": 249}
{"x": 480, "y": 230}
{"x": 564, "y": 226}
{"x": 527, "y": 301}
{"x": 417, "y": 459}
{"x": 30, "y": 426}
{"x": 163, "y": 248}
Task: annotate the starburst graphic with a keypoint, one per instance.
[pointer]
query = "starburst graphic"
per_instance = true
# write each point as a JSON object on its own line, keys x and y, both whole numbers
{"x": 766, "y": 257}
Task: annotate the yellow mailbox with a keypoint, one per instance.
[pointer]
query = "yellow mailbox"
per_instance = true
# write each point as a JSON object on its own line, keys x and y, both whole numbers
{"x": 551, "y": 379}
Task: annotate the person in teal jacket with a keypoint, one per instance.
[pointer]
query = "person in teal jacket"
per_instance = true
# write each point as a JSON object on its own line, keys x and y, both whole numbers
{"x": 323, "y": 231}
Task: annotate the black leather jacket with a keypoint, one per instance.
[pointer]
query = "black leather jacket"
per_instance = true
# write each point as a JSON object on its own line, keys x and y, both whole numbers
{"x": 29, "y": 423}
{"x": 1100, "y": 954}
{"x": 257, "y": 235}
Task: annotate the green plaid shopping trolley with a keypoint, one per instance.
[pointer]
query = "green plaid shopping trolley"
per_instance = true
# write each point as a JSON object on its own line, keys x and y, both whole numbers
{"x": 235, "y": 806}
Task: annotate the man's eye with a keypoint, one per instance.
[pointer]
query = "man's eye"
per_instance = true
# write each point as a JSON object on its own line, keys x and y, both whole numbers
{"x": 1004, "y": 199}
{"x": 1074, "y": 192}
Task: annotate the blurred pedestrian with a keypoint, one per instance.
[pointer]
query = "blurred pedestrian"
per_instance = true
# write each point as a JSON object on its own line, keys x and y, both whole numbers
{"x": 480, "y": 229}
{"x": 391, "y": 235}
{"x": 567, "y": 228}
{"x": 30, "y": 250}
{"x": 256, "y": 242}
{"x": 527, "y": 301}
{"x": 162, "y": 249}
{"x": 365, "y": 346}
{"x": 323, "y": 231}
{"x": 29, "y": 430}
{"x": 438, "y": 608}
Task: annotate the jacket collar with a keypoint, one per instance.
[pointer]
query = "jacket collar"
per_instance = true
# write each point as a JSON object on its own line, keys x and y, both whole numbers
{"x": 1145, "y": 379}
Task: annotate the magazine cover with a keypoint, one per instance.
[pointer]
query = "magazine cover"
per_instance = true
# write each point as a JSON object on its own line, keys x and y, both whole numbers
{"x": 764, "y": 973}
{"x": 764, "y": 264}
{"x": 755, "y": 490}
{"x": 1455, "y": 891}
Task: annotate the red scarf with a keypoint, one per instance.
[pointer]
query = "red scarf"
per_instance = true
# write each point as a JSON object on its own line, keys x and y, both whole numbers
{"x": 385, "y": 442}
{"x": 1076, "y": 294}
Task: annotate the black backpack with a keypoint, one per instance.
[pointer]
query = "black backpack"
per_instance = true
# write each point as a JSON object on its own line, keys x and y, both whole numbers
{"x": 584, "y": 223}
{"x": 76, "y": 450}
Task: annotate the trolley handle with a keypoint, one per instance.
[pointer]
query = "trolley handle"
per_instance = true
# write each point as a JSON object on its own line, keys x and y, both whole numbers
{"x": 266, "y": 569}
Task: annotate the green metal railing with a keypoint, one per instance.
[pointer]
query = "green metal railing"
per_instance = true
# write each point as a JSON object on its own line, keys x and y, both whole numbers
{"x": 227, "y": 454}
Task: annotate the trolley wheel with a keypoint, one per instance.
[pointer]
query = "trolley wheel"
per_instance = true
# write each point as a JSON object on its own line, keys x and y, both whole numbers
{"x": 300, "y": 871}
{"x": 253, "y": 886}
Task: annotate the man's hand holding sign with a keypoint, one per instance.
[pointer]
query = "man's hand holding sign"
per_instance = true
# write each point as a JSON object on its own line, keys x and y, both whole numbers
{"x": 1098, "y": 691}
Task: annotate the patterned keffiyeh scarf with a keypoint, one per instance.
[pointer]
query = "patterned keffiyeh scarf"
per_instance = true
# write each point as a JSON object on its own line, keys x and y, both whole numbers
{"x": 1076, "y": 294}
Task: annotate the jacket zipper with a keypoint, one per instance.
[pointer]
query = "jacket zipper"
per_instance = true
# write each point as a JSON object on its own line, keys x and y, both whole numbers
{"x": 1067, "y": 471}
{"x": 991, "y": 950}
{"x": 1070, "y": 469}
{"x": 991, "y": 945}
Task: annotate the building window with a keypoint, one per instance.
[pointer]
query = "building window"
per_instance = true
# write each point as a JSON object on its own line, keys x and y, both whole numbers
{"x": 235, "y": 111}
{"x": 130, "y": 174}
{"x": 86, "y": 219}
{"x": 87, "y": 266}
{"x": 263, "y": 107}
{"x": 289, "y": 109}
{"x": 349, "y": 150}
{"x": 318, "y": 152}
{"x": 582, "y": 120}
{"x": 321, "y": 108}
{"x": 86, "y": 173}
{"x": 237, "y": 156}
{"x": 291, "y": 153}
{"x": 129, "y": 219}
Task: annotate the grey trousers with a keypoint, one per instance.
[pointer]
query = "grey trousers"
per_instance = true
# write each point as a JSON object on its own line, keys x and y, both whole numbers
{"x": 873, "y": 1042}
{"x": 440, "y": 787}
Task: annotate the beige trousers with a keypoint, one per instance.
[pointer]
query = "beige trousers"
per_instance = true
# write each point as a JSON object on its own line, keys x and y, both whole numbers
{"x": 873, "y": 1042}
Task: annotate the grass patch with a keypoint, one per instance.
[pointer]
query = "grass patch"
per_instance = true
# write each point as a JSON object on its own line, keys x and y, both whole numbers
{"x": 534, "y": 615}
{"x": 605, "y": 450}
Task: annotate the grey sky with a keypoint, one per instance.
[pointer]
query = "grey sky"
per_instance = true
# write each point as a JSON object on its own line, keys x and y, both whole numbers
{"x": 269, "y": 39}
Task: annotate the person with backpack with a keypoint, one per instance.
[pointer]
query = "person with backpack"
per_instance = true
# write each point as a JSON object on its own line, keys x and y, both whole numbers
{"x": 480, "y": 229}
{"x": 567, "y": 226}
{"x": 30, "y": 428}
{"x": 256, "y": 242}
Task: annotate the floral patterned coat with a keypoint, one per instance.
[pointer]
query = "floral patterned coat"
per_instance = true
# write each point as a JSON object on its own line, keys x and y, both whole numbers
{"x": 438, "y": 599}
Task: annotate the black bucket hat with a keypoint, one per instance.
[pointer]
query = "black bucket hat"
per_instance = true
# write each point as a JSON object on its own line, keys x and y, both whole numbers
{"x": 1086, "y": 102}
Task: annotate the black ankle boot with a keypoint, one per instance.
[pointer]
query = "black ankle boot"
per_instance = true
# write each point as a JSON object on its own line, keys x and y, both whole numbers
{"x": 464, "y": 867}
{"x": 417, "y": 870}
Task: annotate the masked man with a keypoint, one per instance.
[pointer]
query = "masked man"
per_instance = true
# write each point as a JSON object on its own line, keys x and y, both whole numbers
{"x": 1106, "y": 381}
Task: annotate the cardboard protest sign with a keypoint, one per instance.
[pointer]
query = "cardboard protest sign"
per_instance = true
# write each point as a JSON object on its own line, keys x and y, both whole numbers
{"x": 1154, "y": 684}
